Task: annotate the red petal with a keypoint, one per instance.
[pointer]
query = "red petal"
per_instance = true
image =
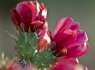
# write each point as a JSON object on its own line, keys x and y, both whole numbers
{"x": 77, "y": 50}
{"x": 75, "y": 25}
{"x": 65, "y": 35}
{"x": 27, "y": 11}
{"x": 42, "y": 7}
{"x": 15, "y": 17}
{"x": 62, "y": 24}
{"x": 81, "y": 37}
{"x": 41, "y": 44}
{"x": 44, "y": 40}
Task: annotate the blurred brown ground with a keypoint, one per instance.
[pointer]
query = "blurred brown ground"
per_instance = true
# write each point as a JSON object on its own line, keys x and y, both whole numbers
{"x": 82, "y": 11}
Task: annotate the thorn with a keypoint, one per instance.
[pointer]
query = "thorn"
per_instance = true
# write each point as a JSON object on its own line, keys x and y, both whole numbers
{"x": 37, "y": 55}
{"x": 50, "y": 65}
{"x": 29, "y": 29}
{"x": 28, "y": 52}
{"x": 44, "y": 68}
{"x": 11, "y": 35}
{"x": 49, "y": 49}
{"x": 22, "y": 54}
{"x": 24, "y": 33}
{"x": 42, "y": 64}
{"x": 20, "y": 46}
{"x": 29, "y": 42}
{"x": 35, "y": 62}
{"x": 54, "y": 51}
{"x": 45, "y": 56}
{"x": 54, "y": 57}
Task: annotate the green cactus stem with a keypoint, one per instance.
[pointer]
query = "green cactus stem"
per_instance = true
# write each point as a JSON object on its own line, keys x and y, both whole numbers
{"x": 43, "y": 59}
{"x": 26, "y": 44}
{"x": 26, "y": 48}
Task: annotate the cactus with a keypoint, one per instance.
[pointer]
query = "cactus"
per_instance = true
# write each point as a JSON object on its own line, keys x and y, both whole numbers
{"x": 43, "y": 59}
{"x": 26, "y": 44}
{"x": 26, "y": 48}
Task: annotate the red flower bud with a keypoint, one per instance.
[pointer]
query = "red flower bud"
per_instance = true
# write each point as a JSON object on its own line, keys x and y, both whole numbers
{"x": 29, "y": 16}
{"x": 44, "y": 40}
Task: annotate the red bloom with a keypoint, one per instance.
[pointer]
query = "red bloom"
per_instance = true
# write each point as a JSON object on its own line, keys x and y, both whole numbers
{"x": 69, "y": 39}
{"x": 67, "y": 64}
{"x": 29, "y": 15}
{"x": 13, "y": 65}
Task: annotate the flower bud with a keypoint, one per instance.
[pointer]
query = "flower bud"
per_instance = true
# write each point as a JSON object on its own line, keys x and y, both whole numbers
{"x": 44, "y": 40}
{"x": 29, "y": 16}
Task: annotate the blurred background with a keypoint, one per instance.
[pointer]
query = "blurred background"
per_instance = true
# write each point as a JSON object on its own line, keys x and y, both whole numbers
{"x": 82, "y": 11}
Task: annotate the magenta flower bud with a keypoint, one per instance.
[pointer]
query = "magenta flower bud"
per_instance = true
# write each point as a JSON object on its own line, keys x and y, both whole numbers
{"x": 70, "y": 41}
{"x": 44, "y": 40}
{"x": 29, "y": 16}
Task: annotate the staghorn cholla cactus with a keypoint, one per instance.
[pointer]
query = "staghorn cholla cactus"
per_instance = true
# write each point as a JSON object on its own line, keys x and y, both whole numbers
{"x": 37, "y": 48}
{"x": 31, "y": 43}
{"x": 26, "y": 46}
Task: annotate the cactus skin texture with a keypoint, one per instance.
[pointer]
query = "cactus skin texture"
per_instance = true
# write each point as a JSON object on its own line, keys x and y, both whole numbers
{"x": 43, "y": 59}
{"x": 26, "y": 48}
{"x": 25, "y": 44}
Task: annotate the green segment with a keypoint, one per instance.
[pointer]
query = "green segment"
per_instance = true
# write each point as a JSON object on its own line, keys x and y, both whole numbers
{"x": 26, "y": 49}
{"x": 26, "y": 44}
{"x": 43, "y": 59}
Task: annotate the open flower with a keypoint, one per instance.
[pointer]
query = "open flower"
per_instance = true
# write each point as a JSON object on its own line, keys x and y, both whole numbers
{"x": 70, "y": 41}
{"x": 29, "y": 16}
